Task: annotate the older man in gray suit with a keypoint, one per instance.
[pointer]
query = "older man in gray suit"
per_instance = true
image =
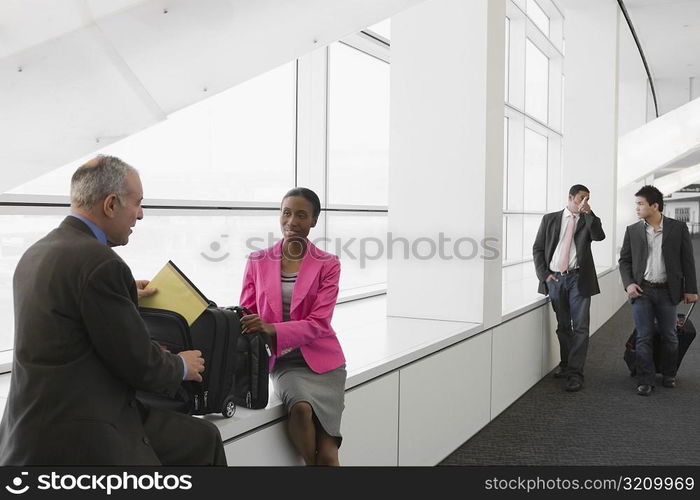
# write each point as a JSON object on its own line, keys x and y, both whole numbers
{"x": 82, "y": 349}
{"x": 658, "y": 271}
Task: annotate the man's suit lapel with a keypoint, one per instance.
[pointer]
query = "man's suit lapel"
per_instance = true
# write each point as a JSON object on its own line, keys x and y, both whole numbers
{"x": 555, "y": 226}
{"x": 667, "y": 233}
{"x": 642, "y": 243}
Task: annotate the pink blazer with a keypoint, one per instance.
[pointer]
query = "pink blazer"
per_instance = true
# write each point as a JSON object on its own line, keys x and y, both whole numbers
{"x": 311, "y": 310}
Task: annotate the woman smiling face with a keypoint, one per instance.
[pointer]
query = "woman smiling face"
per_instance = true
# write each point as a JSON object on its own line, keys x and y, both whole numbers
{"x": 296, "y": 217}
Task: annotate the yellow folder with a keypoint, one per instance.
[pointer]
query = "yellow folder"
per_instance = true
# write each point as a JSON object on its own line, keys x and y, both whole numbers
{"x": 175, "y": 293}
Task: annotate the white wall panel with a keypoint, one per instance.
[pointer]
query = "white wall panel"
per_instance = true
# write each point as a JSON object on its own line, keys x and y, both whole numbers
{"x": 268, "y": 446}
{"x": 610, "y": 299}
{"x": 516, "y": 359}
{"x": 550, "y": 342}
{"x": 444, "y": 400}
{"x": 370, "y": 424}
{"x": 590, "y": 111}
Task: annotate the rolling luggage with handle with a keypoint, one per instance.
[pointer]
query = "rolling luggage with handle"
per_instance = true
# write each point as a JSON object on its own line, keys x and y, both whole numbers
{"x": 686, "y": 335}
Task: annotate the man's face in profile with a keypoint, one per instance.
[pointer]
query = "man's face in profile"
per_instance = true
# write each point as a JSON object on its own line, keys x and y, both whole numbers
{"x": 127, "y": 211}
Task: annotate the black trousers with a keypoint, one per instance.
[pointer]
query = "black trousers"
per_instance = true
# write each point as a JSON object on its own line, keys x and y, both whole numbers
{"x": 180, "y": 439}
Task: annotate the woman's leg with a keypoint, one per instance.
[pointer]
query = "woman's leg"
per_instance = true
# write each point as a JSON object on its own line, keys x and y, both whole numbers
{"x": 302, "y": 431}
{"x": 327, "y": 448}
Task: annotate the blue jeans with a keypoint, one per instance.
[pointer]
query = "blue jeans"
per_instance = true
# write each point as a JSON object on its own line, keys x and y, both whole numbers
{"x": 573, "y": 313}
{"x": 655, "y": 304}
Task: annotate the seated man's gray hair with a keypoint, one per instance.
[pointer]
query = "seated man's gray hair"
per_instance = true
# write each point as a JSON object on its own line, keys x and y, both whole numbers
{"x": 97, "y": 179}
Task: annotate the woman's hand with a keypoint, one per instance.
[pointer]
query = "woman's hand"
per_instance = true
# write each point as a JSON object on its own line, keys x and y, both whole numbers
{"x": 252, "y": 323}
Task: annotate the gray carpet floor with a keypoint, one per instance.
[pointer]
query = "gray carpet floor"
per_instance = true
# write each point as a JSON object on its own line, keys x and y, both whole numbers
{"x": 606, "y": 423}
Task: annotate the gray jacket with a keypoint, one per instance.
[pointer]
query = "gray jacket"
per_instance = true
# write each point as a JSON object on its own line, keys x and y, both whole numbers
{"x": 677, "y": 252}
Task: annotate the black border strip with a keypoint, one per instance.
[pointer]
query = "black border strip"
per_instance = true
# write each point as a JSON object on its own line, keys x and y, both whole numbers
{"x": 31, "y": 204}
{"x": 621, "y": 3}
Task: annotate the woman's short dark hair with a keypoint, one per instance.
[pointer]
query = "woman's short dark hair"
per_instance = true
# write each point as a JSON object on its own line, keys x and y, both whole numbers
{"x": 308, "y": 195}
{"x": 652, "y": 195}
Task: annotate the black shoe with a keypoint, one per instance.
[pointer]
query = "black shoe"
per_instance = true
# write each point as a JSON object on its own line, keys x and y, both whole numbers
{"x": 644, "y": 389}
{"x": 669, "y": 382}
{"x": 559, "y": 372}
{"x": 573, "y": 384}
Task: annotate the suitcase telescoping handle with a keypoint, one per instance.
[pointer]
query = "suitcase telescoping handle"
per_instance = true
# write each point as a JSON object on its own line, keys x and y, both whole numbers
{"x": 687, "y": 315}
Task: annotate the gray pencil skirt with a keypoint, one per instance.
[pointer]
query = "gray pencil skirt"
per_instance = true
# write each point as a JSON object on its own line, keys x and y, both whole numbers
{"x": 294, "y": 382}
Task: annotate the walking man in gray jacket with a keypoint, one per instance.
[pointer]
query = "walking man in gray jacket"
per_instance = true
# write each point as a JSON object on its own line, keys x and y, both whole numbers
{"x": 658, "y": 271}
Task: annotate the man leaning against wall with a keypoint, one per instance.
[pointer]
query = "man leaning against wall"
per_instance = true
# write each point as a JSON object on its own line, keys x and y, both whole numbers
{"x": 566, "y": 271}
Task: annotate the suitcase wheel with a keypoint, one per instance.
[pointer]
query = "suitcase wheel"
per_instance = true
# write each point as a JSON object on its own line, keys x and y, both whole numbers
{"x": 228, "y": 408}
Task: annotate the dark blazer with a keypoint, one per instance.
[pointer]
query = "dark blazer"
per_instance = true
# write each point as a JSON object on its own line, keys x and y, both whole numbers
{"x": 589, "y": 228}
{"x": 677, "y": 252}
{"x": 81, "y": 349}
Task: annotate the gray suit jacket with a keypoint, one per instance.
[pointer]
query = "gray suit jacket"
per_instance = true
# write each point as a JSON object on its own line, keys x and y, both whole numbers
{"x": 677, "y": 252}
{"x": 589, "y": 229}
{"x": 81, "y": 349}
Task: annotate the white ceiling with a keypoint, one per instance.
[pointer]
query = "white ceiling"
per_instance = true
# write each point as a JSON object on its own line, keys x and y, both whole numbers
{"x": 669, "y": 32}
{"x": 26, "y": 23}
{"x": 75, "y": 72}
{"x": 76, "y": 75}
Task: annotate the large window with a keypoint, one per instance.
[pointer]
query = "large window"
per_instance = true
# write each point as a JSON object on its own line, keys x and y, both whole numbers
{"x": 682, "y": 214}
{"x": 358, "y": 158}
{"x": 358, "y": 128}
{"x": 533, "y": 134}
{"x": 215, "y": 172}
{"x": 536, "y": 82}
{"x": 538, "y": 16}
{"x": 19, "y": 231}
{"x": 534, "y": 171}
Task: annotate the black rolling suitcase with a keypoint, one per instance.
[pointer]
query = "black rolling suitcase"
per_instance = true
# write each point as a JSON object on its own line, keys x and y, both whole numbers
{"x": 686, "y": 335}
{"x": 216, "y": 333}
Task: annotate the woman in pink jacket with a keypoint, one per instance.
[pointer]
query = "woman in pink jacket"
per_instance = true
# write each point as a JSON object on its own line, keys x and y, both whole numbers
{"x": 291, "y": 289}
